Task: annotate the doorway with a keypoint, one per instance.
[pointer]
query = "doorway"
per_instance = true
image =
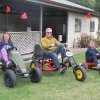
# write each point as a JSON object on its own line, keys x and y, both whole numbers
{"x": 57, "y": 20}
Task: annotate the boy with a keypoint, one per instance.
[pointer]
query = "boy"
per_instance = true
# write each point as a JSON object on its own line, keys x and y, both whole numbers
{"x": 92, "y": 55}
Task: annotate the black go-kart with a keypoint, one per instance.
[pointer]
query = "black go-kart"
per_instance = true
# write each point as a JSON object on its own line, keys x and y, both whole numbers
{"x": 18, "y": 69}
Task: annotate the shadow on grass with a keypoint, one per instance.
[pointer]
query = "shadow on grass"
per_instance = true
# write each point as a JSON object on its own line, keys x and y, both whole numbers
{"x": 52, "y": 73}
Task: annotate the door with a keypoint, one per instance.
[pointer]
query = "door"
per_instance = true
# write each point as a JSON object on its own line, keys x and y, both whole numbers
{"x": 61, "y": 30}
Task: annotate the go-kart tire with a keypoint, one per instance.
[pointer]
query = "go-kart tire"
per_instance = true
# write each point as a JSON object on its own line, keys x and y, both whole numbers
{"x": 35, "y": 75}
{"x": 34, "y": 64}
{"x": 9, "y": 78}
{"x": 84, "y": 66}
{"x": 80, "y": 73}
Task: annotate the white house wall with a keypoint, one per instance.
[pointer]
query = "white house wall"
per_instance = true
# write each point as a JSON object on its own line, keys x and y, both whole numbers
{"x": 85, "y": 27}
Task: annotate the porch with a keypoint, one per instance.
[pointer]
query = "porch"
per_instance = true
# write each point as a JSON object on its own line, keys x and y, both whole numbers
{"x": 39, "y": 18}
{"x": 25, "y": 41}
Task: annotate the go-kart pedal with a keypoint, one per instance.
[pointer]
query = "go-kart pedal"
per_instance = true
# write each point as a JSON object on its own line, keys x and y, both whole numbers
{"x": 9, "y": 64}
{"x": 98, "y": 66}
{"x": 62, "y": 70}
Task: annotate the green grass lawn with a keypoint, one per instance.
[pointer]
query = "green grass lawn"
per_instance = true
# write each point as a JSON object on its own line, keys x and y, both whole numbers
{"x": 54, "y": 86}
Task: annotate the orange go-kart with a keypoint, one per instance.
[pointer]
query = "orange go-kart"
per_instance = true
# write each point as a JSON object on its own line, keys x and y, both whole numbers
{"x": 90, "y": 65}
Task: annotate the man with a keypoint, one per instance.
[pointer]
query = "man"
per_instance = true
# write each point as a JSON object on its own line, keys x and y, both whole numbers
{"x": 52, "y": 47}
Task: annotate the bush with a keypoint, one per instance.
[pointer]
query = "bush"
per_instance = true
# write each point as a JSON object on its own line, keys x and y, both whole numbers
{"x": 97, "y": 40}
{"x": 84, "y": 40}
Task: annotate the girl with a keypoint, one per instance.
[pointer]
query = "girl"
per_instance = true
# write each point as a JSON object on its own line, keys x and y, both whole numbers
{"x": 5, "y": 46}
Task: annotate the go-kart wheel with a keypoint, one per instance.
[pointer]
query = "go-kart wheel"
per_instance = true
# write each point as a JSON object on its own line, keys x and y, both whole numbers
{"x": 9, "y": 78}
{"x": 80, "y": 73}
{"x": 35, "y": 75}
{"x": 34, "y": 64}
{"x": 84, "y": 66}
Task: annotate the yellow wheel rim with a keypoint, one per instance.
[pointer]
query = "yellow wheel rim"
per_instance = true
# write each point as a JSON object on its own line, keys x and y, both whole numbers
{"x": 33, "y": 65}
{"x": 79, "y": 74}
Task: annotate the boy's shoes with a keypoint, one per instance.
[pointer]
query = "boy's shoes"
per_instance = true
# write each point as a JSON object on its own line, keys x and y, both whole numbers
{"x": 62, "y": 70}
{"x": 8, "y": 64}
{"x": 98, "y": 66}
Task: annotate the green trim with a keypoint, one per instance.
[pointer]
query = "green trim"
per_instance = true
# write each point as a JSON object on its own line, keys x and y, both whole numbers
{"x": 58, "y": 6}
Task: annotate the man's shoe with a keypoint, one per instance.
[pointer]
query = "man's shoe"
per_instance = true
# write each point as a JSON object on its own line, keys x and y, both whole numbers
{"x": 62, "y": 70}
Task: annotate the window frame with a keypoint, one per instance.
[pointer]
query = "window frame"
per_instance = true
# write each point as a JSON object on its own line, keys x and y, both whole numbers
{"x": 78, "y": 23}
{"x": 92, "y": 26}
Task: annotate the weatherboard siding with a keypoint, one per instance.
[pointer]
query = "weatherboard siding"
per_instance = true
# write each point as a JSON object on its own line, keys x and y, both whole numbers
{"x": 85, "y": 27}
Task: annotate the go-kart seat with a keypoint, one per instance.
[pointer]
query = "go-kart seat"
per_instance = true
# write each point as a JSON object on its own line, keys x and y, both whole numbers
{"x": 89, "y": 62}
{"x": 38, "y": 52}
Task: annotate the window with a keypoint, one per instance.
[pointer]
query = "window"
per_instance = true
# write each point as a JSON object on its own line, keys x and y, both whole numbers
{"x": 92, "y": 26}
{"x": 77, "y": 25}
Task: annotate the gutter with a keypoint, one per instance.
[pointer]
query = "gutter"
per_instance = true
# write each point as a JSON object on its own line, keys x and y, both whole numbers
{"x": 62, "y": 6}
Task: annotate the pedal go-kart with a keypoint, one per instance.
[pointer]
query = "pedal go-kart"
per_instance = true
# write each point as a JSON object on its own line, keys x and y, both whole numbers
{"x": 46, "y": 64}
{"x": 90, "y": 65}
{"x": 18, "y": 69}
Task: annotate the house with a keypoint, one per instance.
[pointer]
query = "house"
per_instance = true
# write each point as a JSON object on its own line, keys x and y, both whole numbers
{"x": 68, "y": 20}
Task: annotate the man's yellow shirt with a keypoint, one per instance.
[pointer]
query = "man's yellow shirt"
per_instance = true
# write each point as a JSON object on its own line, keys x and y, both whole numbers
{"x": 45, "y": 43}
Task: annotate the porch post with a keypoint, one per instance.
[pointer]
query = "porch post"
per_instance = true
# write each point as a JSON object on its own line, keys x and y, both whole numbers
{"x": 41, "y": 19}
